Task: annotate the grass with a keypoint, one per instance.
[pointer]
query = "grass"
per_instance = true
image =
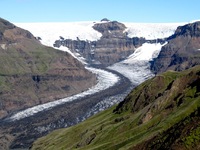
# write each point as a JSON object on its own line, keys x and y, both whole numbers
{"x": 125, "y": 129}
{"x": 27, "y": 56}
{"x": 193, "y": 138}
{"x": 112, "y": 136}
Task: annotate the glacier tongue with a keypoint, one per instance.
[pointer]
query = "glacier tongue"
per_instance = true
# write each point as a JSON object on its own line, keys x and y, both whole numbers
{"x": 105, "y": 80}
{"x": 137, "y": 67}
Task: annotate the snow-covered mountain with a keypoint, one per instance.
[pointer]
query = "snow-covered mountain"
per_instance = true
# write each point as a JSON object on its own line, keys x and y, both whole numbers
{"x": 136, "y": 67}
{"x": 50, "y": 32}
{"x": 100, "y": 43}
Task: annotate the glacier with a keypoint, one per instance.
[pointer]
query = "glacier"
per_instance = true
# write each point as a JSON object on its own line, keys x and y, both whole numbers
{"x": 52, "y": 31}
{"x": 136, "y": 67}
{"x": 105, "y": 80}
{"x": 151, "y": 31}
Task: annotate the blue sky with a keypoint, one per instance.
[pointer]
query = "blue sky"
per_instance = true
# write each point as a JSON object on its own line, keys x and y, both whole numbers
{"x": 94, "y": 10}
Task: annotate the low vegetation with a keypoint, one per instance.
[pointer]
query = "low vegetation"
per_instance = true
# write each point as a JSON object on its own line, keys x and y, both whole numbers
{"x": 161, "y": 113}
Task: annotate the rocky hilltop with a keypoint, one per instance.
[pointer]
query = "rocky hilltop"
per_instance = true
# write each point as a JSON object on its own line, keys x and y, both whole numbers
{"x": 182, "y": 51}
{"x": 113, "y": 46}
{"x": 31, "y": 73}
{"x": 161, "y": 113}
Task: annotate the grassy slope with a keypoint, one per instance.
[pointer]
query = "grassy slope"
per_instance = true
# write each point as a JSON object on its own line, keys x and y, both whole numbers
{"x": 21, "y": 53}
{"x": 28, "y": 58}
{"x": 146, "y": 119}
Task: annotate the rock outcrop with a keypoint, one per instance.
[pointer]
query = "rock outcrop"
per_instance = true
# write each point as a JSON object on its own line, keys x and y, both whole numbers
{"x": 31, "y": 73}
{"x": 182, "y": 51}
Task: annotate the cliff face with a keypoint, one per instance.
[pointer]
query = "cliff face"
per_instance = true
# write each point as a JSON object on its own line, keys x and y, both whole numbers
{"x": 113, "y": 46}
{"x": 161, "y": 113}
{"x": 31, "y": 73}
{"x": 182, "y": 50}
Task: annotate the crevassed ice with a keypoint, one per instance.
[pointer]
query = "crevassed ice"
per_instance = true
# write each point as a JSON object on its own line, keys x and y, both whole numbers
{"x": 137, "y": 67}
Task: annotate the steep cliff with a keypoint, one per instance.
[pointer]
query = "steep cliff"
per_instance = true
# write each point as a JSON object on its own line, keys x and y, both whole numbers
{"x": 161, "y": 113}
{"x": 31, "y": 73}
{"x": 182, "y": 50}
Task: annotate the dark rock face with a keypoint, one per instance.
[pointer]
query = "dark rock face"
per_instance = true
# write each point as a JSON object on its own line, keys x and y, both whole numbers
{"x": 181, "y": 52}
{"x": 111, "y": 29}
{"x": 192, "y": 30}
{"x": 104, "y": 19}
{"x": 4, "y": 24}
{"x": 113, "y": 46}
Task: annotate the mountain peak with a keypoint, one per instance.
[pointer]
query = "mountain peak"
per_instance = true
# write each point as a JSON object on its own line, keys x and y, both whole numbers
{"x": 109, "y": 26}
{"x": 4, "y": 24}
{"x": 105, "y": 19}
{"x": 192, "y": 29}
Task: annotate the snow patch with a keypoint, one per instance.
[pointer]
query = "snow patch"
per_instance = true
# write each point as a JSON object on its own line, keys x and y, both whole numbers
{"x": 3, "y": 46}
{"x": 75, "y": 55}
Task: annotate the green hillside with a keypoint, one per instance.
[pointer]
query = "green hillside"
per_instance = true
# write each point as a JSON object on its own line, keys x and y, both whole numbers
{"x": 161, "y": 113}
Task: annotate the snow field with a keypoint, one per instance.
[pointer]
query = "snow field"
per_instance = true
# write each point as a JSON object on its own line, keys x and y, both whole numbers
{"x": 50, "y": 32}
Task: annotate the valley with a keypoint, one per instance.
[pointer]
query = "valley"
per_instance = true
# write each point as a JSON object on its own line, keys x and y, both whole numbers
{"x": 115, "y": 58}
{"x": 22, "y": 132}
{"x": 161, "y": 113}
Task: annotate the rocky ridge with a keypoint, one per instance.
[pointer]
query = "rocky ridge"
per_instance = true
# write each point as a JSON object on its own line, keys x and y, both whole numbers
{"x": 181, "y": 52}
